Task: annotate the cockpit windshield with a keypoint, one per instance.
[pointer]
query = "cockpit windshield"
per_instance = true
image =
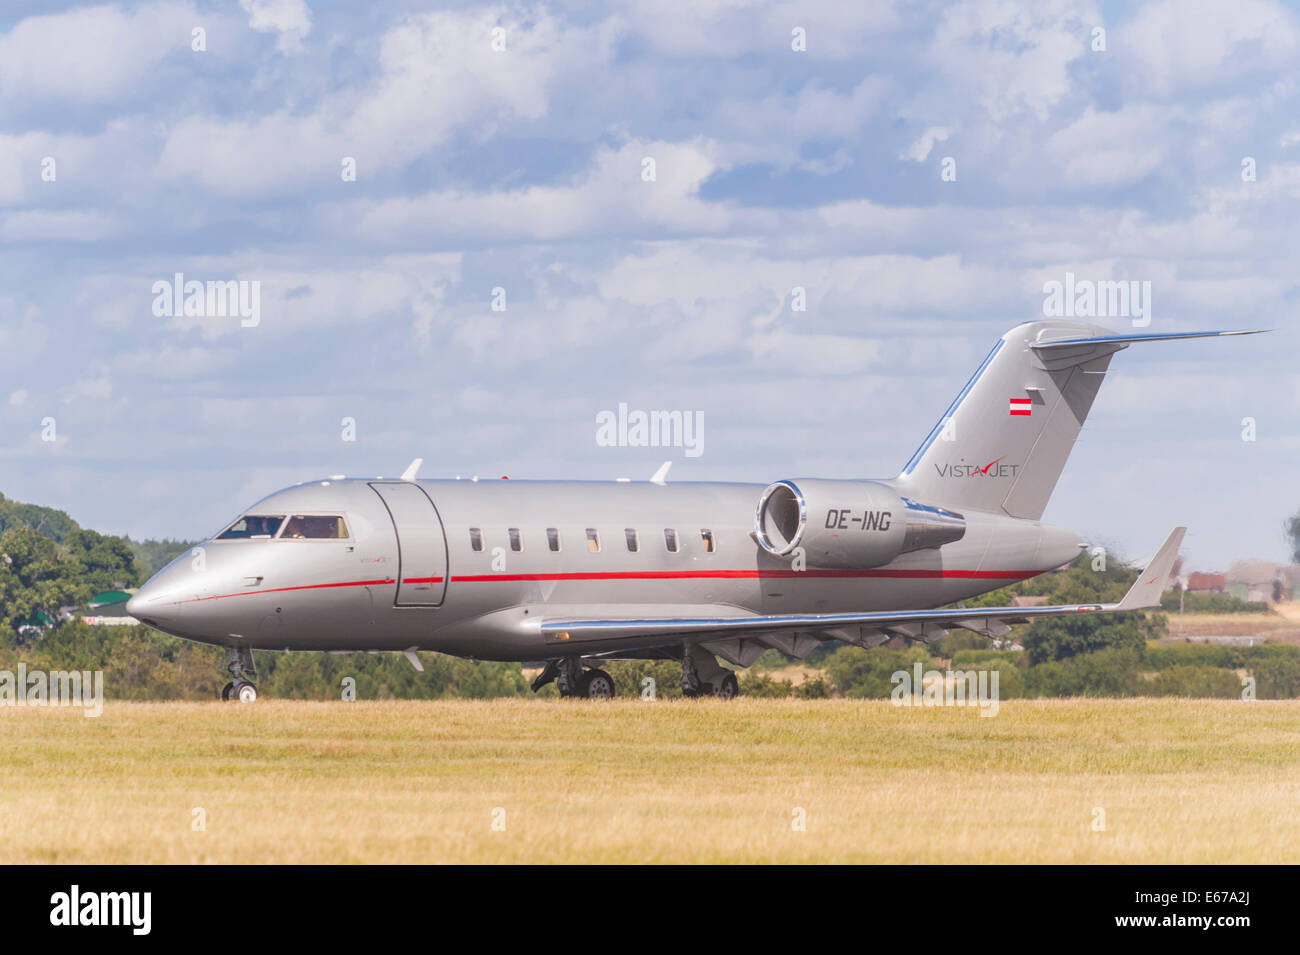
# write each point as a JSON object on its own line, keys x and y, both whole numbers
{"x": 315, "y": 527}
{"x": 252, "y": 527}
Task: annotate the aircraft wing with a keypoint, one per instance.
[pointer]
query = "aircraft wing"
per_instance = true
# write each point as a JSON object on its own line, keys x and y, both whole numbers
{"x": 867, "y": 629}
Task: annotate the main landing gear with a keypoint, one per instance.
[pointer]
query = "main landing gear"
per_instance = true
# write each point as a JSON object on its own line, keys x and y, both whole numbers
{"x": 239, "y": 664}
{"x": 573, "y": 681}
{"x": 702, "y": 676}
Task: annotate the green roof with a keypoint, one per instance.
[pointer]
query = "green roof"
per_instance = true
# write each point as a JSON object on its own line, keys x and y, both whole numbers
{"x": 108, "y": 597}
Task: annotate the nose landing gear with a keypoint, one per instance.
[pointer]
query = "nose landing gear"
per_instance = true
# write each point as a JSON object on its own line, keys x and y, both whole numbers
{"x": 239, "y": 664}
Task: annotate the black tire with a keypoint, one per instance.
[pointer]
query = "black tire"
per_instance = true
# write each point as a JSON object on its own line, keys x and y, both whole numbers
{"x": 596, "y": 685}
{"x": 728, "y": 688}
{"x": 228, "y": 692}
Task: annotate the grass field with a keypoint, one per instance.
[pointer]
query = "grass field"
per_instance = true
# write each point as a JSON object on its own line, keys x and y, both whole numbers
{"x": 1280, "y": 627}
{"x": 672, "y": 781}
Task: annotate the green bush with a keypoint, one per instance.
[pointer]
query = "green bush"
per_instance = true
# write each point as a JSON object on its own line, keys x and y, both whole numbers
{"x": 1101, "y": 673}
{"x": 1196, "y": 681}
{"x": 1200, "y": 602}
{"x": 1162, "y": 656}
{"x": 1011, "y": 679}
{"x": 630, "y": 675}
{"x": 1277, "y": 676}
{"x": 967, "y": 657}
{"x": 958, "y": 641}
{"x": 1269, "y": 651}
{"x": 761, "y": 685}
{"x": 1056, "y": 638}
{"x": 859, "y": 673}
{"x": 814, "y": 689}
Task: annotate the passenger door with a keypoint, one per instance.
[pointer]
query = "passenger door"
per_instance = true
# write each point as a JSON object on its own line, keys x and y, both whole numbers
{"x": 421, "y": 544}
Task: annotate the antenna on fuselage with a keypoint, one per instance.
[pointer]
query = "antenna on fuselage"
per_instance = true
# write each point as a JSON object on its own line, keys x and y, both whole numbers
{"x": 412, "y": 470}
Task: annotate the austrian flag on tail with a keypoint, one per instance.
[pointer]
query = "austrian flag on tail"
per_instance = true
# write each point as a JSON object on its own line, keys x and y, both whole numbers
{"x": 1022, "y": 406}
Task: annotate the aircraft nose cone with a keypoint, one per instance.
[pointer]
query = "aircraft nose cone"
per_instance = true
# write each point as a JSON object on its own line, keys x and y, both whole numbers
{"x": 148, "y": 606}
{"x": 159, "y": 602}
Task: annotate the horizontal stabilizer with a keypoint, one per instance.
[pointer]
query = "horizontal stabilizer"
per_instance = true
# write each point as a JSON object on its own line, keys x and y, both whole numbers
{"x": 1130, "y": 339}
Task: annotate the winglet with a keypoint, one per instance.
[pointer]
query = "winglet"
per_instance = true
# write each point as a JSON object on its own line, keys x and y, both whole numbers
{"x": 661, "y": 476}
{"x": 1154, "y": 579}
{"x": 412, "y": 470}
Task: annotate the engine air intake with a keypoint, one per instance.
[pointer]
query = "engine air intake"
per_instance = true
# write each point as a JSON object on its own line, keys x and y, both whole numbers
{"x": 849, "y": 524}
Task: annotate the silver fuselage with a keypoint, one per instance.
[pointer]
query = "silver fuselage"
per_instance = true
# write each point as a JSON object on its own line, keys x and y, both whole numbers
{"x": 408, "y": 577}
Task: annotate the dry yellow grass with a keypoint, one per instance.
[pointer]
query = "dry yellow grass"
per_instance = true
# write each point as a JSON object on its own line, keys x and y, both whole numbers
{"x": 673, "y": 781}
{"x": 1280, "y": 627}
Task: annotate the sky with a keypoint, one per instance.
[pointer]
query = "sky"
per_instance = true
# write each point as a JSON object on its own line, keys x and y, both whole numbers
{"x": 471, "y": 229}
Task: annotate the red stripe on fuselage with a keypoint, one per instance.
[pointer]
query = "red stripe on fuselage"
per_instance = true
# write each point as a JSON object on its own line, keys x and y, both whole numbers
{"x": 756, "y": 574}
{"x": 280, "y": 590}
{"x": 664, "y": 575}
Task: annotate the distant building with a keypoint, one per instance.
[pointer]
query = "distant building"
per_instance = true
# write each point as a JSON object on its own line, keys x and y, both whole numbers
{"x": 109, "y": 609}
{"x": 1259, "y": 581}
{"x": 35, "y": 625}
{"x": 1211, "y": 583}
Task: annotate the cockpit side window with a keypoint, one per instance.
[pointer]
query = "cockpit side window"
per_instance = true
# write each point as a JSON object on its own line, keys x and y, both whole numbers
{"x": 315, "y": 527}
{"x": 252, "y": 527}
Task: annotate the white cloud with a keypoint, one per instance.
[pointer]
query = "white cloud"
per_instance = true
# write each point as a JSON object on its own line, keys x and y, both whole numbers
{"x": 611, "y": 197}
{"x": 729, "y": 28}
{"x": 919, "y": 151}
{"x": 1015, "y": 57}
{"x": 437, "y": 74}
{"x": 72, "y": 225}
{"x": 289, "y": 18}
{"x": 1111, "y": 148}
{"x": 90, "y": 54}
{"x": 1184, "y": 45}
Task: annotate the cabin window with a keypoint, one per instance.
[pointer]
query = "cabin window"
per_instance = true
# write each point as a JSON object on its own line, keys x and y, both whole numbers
{"x": 314, "y": 527}
{"x": 670, "y": 540}
{"x": 475, "y": 538}
{"x": 706, "y": 535}
{"x": 593, "y": 540}
{"x": 630, "y": 533}
{"x": 252, "y": 527}
{"x": 553, "y": 538}
{"x": 516, "y": 543}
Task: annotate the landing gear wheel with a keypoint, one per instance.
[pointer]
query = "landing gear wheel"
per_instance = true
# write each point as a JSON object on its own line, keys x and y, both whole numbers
{"x": 240, "y": 666}
{"x": 728, "y": 688}
{"x": 595, "y": 685}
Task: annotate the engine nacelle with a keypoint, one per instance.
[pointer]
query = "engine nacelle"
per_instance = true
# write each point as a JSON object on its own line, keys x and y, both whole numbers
{"x": 848, "y": 524}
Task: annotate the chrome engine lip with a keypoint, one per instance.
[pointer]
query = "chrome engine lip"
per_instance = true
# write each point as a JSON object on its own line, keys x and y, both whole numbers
{"x": 761, "y": 535}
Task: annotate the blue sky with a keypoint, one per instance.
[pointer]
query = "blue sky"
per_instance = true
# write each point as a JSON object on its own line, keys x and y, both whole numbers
{"x": 522, "y": 170}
